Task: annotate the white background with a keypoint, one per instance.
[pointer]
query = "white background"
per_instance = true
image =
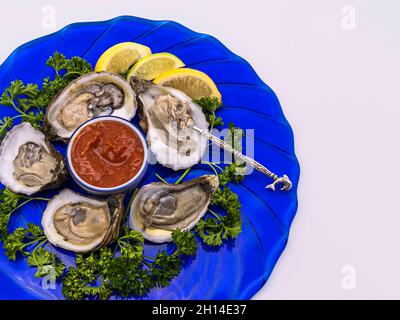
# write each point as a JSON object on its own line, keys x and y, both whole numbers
{"x": 338, "y": 79}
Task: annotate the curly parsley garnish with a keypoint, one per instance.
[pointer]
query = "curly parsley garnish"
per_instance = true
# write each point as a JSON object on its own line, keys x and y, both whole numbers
{"x": 210, "y": 105}
{"x": 18, "y": 243}
{"x": 130, "y": 273}
{"x": 18, "y": 96}
{"x": 10, "y": 202}
{"x": 30, "y": 102}
{"x": 227, "y": 225}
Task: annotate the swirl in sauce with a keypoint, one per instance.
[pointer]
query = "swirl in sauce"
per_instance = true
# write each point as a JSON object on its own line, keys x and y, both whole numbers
{"x": 107, "y": 154}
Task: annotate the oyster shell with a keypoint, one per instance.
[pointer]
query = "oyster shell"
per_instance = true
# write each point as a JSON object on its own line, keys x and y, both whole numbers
{"x": 82, "y": 224}
{"x": 28, "y": 162}
{"x": 166, "y": 116}
{"x": 159, "y": 208}
{"x": 91, "y": 95}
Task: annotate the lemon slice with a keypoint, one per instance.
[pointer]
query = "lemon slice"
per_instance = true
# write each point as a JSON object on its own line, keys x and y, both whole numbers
{"x": 194, "y": 83}
{"x": 152, "y": 66}
{"x": 121, "y": 57}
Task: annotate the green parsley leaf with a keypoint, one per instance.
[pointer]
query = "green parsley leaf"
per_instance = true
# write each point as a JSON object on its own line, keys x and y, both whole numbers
{"x": 34, "y": 231}
{"x": 101, "y": 274}
{"x": 21, "y": 93}
{"x": 19, "y": 241}
{"x": 164, "y": 268}
{"x": 75, "y": 67}
{"x": 131, "y": 246}
{"x": 14, "y": 244}
{"x": 210, "y": 230}
{"x": 235, "y": 137}
{"x": 47, "y": 263}
{"x": 210, "y": 105}
{"x": 8, "y": 204}
{"x": 49, "y": 89}
{"x": 18, "y": 96}
{"x": 5, "y": 124}
{"x": 35, "y": 119}
{"x": 30, "y": 102}
{"x": 82, "y": 280}
{"x": 234, "y": 172}
{"x": 185, "y": 242}
{"x": 214, "y": 230}
{"x": 227, "y": 200}
{"x": 127, "y": 280}
{"x": 66, "y": 71}
{"x": 57, "y": 61}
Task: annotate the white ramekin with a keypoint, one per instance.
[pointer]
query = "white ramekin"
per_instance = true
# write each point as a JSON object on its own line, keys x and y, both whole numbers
{"x": 129, "y": 185}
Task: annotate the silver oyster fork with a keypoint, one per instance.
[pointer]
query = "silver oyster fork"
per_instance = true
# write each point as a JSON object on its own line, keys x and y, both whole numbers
{"x": 284, "y": 180}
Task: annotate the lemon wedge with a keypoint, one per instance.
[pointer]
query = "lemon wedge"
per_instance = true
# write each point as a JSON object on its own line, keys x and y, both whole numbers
{"x": 152, "y": 66}
{"x": 194, "y": 83}
{"x": 121, "y": 57}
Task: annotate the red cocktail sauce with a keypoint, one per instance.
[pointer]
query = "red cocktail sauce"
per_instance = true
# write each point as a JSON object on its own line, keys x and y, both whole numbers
{"x": 107, "y": 154}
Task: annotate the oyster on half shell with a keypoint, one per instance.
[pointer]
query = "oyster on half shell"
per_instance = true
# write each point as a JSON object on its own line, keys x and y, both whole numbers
{"x": 82, "y": 224}
{"x": 91, "y": 95}
{"x": 28, "y": 162}
{"x": 167, "y": 115}
{"x": 159, "y": 208}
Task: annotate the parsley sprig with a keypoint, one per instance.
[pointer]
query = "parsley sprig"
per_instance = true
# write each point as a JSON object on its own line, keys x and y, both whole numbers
{"x": 66, "y": 70}
{"x": 210, "y": 105}
{"x": 21, "y": 240}
{"x": 130, "y": 273}
{"x": 29, "y": 101}
{"x": 235, "y": 137}
{"x": 10, "y": 202}
{"x": 18, "y": 96}
{"x": 5, "y": 124}
{"x": 213, "y": 230}
{"x": 234, "y": 172}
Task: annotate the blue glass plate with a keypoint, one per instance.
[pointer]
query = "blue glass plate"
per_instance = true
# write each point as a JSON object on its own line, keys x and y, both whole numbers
{"x": 239, "y": 268}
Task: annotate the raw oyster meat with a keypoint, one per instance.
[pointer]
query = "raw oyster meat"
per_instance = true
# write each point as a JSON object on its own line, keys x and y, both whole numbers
{"x": 91, "y": 95}
{"x": 167, "y": 115}
{"x": 28, "y": 162}
{"x": 159, "y": 208}
{"x": 82, "y": 224}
